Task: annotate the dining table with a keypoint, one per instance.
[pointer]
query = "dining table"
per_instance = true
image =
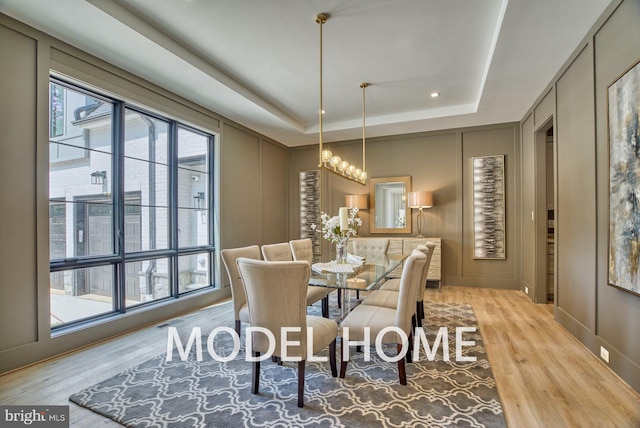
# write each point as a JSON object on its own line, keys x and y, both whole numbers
{"x": 357, "y": 275}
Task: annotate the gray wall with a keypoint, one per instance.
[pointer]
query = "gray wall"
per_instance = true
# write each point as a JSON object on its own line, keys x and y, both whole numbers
{"x": 245, "y": 159}
{"x": 440, "y": 162}
{"x": 255, "y": 189}
{"x": 594, "y": 312}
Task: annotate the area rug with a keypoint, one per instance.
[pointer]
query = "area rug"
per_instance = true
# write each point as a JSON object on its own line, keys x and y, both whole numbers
{"x": 210, "y": 393}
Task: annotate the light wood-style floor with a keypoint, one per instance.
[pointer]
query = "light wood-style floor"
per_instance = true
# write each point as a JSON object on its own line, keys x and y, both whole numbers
{"x": 545, "y": 377}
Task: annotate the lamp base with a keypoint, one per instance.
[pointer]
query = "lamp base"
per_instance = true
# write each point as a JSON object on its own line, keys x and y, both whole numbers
{"x": 420, "y": 222}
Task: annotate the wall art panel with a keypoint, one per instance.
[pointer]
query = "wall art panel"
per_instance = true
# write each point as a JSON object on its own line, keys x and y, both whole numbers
{"x": 488, "y": 207}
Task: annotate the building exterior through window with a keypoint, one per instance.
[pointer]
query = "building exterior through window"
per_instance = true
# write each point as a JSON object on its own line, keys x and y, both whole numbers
{"x": 130, "y": 196}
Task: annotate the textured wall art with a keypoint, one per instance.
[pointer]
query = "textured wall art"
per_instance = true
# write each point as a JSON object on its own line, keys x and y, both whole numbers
{"x": 488, "y": 207}
{"x": 624, "y": 181}
{"x": 310, "y": 207}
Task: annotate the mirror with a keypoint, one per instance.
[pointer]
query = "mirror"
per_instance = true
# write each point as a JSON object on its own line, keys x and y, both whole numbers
{"x": 389, "y": 211}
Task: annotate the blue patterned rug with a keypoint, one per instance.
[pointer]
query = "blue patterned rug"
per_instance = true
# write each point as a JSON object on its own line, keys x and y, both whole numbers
{"x": 209, "y": 393}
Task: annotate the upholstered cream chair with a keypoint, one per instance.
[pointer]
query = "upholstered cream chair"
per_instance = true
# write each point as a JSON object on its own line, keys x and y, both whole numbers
{"x": 265, "y": 284}
{"x": 229, "y": 256}
{"x": 302, "y": 249}
{"x": 282, "y": 252}
{"x": 370, "y": 247}
{"x": 376, "y": 318}
{"x": 385, "y": 299}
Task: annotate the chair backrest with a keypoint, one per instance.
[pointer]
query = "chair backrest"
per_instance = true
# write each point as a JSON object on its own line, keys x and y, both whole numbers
{"x": 302, "y": 249}
{"x": 409, "y": 280}
{"x": 427, "y": 250}
{"x": 229, "y": 257}
{"x": 277, "y": 252}
{"x": 276, "y": 297}
{"x": 370, "y": 247}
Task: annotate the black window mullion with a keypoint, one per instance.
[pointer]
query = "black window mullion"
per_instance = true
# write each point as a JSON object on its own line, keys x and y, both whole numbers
{"x": 212, "y": 277}
{"x": 173, "y": 207}
{"x": 118, "y": 206}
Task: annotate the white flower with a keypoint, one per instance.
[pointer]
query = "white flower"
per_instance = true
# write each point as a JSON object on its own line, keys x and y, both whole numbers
{"x": 331, "y": 227}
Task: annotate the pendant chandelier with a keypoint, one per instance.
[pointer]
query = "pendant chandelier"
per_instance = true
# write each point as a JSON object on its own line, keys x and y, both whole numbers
{"x": 328, "y": 160}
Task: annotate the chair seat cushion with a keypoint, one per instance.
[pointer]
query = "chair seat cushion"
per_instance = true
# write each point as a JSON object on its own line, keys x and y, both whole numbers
{"x": 374, "y": 317}
{"x": 316, "y": 293}
{"x": 383, "y": 298}
{"x": 392, "y": 284}
{"x": 325, "y": 331}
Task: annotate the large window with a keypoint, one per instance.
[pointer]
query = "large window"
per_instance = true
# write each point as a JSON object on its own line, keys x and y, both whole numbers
{"x": 130, "y": 196}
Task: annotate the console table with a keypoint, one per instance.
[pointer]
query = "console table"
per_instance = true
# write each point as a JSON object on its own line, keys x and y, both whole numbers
{"x": 404, "y": 246}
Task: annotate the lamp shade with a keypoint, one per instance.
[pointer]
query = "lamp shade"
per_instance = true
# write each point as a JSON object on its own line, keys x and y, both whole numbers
{"x": 420, "y": 199}
{"x": 356, "y": 201}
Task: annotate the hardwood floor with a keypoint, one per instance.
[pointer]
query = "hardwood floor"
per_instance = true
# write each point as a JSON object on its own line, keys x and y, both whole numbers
{"x": 545, "y": 377}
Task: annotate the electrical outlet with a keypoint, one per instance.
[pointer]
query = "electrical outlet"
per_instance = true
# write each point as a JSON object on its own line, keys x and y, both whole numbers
{"x": 526, "y": 289}
{"x": 604, "y": 354}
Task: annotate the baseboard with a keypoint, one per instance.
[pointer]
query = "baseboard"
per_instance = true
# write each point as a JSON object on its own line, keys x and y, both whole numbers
{"x": 621, "y": 365}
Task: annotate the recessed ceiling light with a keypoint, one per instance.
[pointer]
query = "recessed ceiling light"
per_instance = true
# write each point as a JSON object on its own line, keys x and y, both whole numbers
{"x": 435, "y": 94}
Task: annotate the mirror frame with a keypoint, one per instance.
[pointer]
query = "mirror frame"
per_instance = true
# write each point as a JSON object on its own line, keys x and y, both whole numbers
{"x": 406, "y": 180}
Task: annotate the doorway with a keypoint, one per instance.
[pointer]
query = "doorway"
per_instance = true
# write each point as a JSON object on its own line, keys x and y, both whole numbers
{"x": 94, "y": 237}
{"x": 545, "y": 142}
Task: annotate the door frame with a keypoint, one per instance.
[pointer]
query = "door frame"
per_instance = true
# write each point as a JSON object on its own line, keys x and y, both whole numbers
{"x": 540, "y": 294}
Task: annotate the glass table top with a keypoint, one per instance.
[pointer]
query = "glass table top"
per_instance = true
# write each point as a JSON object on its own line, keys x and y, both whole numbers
{"x": 367, "y": 276}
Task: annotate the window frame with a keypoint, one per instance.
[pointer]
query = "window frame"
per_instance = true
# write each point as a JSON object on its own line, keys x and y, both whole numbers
{"x": 119, "y": 258}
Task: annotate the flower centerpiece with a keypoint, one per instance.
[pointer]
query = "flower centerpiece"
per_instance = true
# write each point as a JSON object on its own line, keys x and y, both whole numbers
{"x": 338, "y": 229}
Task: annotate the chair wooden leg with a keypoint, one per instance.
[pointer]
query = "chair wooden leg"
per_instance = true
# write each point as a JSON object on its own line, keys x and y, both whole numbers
{"x": 401, "y": 370}
{"x": 408, "y": 354}
{"x": 332, "y": 358}
{"x": 301, "y": 365}
{"x": 325, "y": 306}
{"x": 339, "y": 298}
{"x": 343, "y": 362}
{"x": 238, "y": 327}
{"x": 421, "y": 303}
{"x": 343, "y": 368}
{"x": 255, "y": 382}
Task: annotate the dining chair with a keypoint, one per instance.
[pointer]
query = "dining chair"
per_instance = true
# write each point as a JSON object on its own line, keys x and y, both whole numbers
{"x": 264, "y": 284}
{"x": 389, "y": 298}
{"x": 384, "y": 296}
{"x": 229, "y": 256}
{"x": 282, "y": 252}
{"x": 302, "y": 249}
{"x": 370, "y": 247}
{"x": 374, "y": 319}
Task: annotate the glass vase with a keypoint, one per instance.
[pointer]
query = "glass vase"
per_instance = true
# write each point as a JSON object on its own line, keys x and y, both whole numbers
{"x": 341, "y": 252}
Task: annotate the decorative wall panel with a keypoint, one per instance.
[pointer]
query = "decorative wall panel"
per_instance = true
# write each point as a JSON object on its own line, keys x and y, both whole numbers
{"x": 310, "y": 207}
{"x": 488, "y": 207}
